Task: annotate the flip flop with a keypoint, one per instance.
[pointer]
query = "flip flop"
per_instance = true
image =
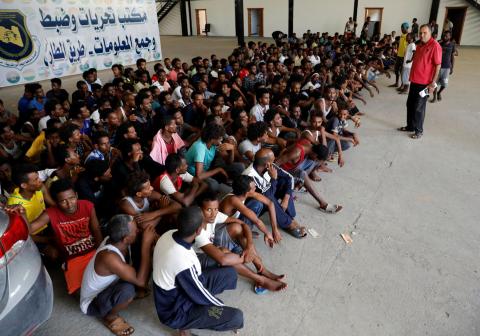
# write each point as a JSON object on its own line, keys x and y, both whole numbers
{"x": 260, "y": 290}
{"x": 416, "y": 136}
{"x": 404, "y": 129}
{"x": 119, "y": 327}
{"x": 297, "y": 232}
{"x": 332, "y": 208}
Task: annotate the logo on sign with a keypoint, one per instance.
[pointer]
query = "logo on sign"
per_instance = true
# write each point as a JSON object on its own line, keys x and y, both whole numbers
{"x": 17, "y": 46}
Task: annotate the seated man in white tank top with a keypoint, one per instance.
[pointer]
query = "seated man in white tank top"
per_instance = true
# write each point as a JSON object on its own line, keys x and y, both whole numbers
{"x": 147, "y": 205}
{"x": 108, "y": 284}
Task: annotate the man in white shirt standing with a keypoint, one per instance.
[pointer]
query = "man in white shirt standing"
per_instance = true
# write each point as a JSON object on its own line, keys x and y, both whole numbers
{"x": 407, "y": 64}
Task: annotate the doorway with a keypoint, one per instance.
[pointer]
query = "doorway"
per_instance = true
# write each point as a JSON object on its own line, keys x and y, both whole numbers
{"x": 457, "y": 16}
{"x": 201, "y": 16}
{"x": 255, "y": 22}
{"x": 375, "y": 25}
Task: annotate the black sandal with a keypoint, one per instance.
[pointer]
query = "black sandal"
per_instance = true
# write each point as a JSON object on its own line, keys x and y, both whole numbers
{"x": 297, "y": 232}
{"x": 404, "y": 129}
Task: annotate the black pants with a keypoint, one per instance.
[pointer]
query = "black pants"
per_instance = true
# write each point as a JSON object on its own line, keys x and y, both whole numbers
{"x": 117, "y": 293}
{"x": 214, "y": 317}
{"x": 398, "y": 66}
{"x": 416, "y": 106}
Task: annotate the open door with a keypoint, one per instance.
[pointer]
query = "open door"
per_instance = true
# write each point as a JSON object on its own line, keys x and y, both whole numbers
{"x": 375, "y": 26}
{"x": 456, "y": 15}
{"x": 255, "y": 22}
{"x": 201, "y": 16}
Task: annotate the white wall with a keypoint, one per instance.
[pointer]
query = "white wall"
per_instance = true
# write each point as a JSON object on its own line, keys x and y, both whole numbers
{"x": 220, "y": 15}
{"x": 320, "y": 16}
{"x": 172, "y": 23}
{"x": 471, "y": 26}
{"x": 395, "y": 13}
{"x": 331, "y": 16}
{"x": 275, "y": 15}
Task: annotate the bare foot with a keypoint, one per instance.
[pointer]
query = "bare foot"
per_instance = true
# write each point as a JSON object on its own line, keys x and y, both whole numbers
{"x": 270, "y": 275}
{"x": 324, "y": 168}
{"x": 272, "y": 285}
{"x": 315, "y": 177}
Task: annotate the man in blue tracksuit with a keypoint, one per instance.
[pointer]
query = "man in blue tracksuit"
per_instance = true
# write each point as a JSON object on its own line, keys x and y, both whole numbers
{"x": 184, "y": 295}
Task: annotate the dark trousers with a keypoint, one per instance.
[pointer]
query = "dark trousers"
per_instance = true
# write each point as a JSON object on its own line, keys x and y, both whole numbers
{"x": 283, "y": 219}
{"x": 117, "y": 293}
{"x": 332, "y": 145}
{"x": 398, "y": 66}
{"x": 213, "y": 317}
{"x": 416, "y": 106}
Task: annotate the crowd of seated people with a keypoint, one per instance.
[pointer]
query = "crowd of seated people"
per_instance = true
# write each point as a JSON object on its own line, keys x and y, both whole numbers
{"x": 184, "y": 162}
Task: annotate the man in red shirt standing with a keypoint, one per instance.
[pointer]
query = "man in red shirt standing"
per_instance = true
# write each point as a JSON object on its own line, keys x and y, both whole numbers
{"x": 424, "y": 74}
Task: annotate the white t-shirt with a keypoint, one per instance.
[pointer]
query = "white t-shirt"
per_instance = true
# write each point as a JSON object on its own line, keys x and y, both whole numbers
{"x": 166, "y": 184}
{"x": 314, "y": 59}
{"x": 95, "y": 116}
{"x": 207, "y": 235}
{"x": 176, "y": 94}
{"x": 246, "y": 145}
{"x": 258, "y": 111}
{"x": 164, "y": 87}
{"x": 42, "y": 124}
{"x": 408, "y": 55}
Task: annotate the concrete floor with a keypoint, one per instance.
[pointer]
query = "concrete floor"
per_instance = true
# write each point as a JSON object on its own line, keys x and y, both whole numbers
{"x": 412, "y": 208}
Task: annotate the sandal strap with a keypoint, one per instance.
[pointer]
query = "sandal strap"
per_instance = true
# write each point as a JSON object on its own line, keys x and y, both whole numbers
{"x": 120, "y": 327}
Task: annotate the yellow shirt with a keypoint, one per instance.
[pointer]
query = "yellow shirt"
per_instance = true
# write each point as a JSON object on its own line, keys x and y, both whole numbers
{"x": 36, "y": 148}
{"x": 402, "y": 45}
{"x": 34, "y": 207}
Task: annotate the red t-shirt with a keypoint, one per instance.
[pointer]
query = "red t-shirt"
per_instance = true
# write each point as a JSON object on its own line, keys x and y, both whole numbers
{"x": 170, "y": 147}
{"x": 426, "y": 57}
{"x": 243, "y": 73}
{"x": 177, "y": 184}
{"x": 72, "y": 231}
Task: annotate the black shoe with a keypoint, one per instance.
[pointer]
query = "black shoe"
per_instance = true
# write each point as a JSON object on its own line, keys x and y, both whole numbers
{"x": 416, "y": 135}
{"x": 404, "y": 129}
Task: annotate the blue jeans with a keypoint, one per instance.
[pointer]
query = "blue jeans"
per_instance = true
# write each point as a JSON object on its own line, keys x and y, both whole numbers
{"x": 283, "y": 219}
{"x": 332, "y": 145}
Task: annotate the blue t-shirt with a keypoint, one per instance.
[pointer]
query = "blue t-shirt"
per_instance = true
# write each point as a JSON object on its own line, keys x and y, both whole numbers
{"x": 23, "y": 107}
{"x": 34, "y": 103}
{"x": 199, "y": 152}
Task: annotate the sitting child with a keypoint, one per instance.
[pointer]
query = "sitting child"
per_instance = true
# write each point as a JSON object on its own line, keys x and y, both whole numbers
{"x": 337, "y": 126}
{"x": 145, "y": 204}
{"x": 222, "y": 235}
{"x": 234, "y": 205}
{"x": 171, "y": 182}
